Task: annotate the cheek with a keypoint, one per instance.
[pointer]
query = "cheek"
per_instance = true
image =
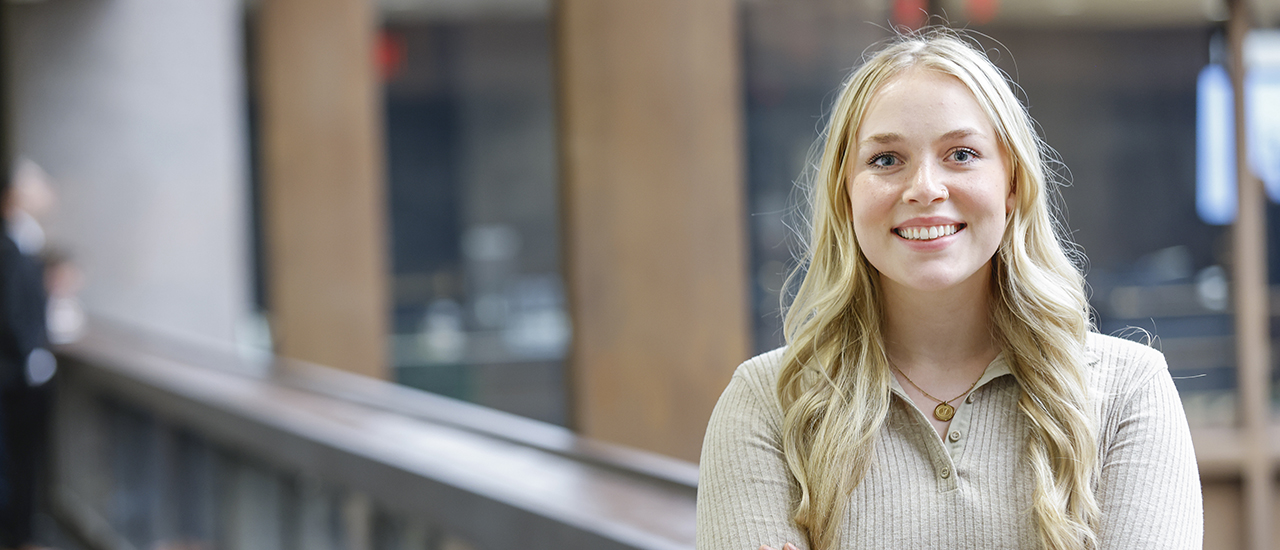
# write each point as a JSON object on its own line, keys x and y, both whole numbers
{"x": 862, "y": 214}
{"x": 853, "y": 201}
{"x": 989, "y": 195}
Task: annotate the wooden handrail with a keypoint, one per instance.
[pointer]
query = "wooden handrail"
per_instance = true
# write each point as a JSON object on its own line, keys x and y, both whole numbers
{"x": 493, "y": 478}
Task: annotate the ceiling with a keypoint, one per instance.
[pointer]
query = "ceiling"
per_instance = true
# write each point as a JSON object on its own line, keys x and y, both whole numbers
{"x": 464, "y": 9}
{"x": 1056, "y": 13}
{"x": 1113, "y": 13}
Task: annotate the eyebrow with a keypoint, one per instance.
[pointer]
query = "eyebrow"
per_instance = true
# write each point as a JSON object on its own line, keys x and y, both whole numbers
{"x": 960, "y": 133}
{"x": 893, "y": 137}
{"x": 888, "y": 137}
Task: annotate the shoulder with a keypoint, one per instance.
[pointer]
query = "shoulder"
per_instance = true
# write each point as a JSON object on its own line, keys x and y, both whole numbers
{"x": 761, "y": 369}
{"x": 752, "y": 390}
{"x": 1147, "y": 482}
{"x": 1120, "y": 360}
{"x": 756, "y": 378}
{"x": 1115, "y": 350}
{"x": 1117, "y": 366}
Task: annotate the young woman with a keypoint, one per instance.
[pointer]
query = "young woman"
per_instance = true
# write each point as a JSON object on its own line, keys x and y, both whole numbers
{"x": 941, "y": 387}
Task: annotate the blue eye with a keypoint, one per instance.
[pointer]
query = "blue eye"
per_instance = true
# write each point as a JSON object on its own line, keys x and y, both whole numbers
{"x": 964, "y": 155}
{"x": 883, "y": 160}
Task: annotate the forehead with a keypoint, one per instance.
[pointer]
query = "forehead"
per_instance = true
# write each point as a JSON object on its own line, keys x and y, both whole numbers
{"x": 922, "y": 103}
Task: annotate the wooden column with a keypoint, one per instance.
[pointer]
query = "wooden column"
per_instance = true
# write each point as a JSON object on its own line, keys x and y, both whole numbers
{"x": 655, "y": 238}
{"x": 1252, "y": 315}
{"x": 322, "y": 168}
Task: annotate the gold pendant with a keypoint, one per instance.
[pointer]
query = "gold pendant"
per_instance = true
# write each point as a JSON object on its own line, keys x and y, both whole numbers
{"x": 944, "y": 412}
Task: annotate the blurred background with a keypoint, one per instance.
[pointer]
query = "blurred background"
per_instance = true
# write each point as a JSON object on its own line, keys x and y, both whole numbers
{"x": 472, "y": 273}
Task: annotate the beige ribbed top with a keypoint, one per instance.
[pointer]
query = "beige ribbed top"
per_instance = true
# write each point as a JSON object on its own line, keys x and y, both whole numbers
{"x": 971, "y": 490}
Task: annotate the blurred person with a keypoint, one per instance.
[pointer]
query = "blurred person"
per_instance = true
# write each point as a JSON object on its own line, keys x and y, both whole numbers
{"x": 28, "y": 198}
{"x": 65, "y": 317}
{"x": 942, "y": 385}
{"x": 31, "y": 198}
{"x": 25, "y": 364}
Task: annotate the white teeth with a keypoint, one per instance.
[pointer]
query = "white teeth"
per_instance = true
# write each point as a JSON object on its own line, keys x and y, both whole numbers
{"x": 927, "y": 233}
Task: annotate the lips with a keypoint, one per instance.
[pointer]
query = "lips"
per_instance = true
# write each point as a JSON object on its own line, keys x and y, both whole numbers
{"x": 928, "y": 232}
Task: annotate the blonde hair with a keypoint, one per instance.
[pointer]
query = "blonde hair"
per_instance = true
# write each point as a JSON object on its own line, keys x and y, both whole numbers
{"x": 834, "y": 384}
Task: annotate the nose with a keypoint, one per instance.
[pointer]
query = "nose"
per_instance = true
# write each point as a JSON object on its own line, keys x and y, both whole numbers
{"x": 924, "y": 186}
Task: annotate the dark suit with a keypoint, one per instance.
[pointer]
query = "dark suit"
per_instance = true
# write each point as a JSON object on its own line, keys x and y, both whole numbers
{"x": 23, "y": 409}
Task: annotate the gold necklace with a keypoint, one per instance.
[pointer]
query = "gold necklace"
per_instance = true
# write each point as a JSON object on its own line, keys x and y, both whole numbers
{"x": 944, "y": 411}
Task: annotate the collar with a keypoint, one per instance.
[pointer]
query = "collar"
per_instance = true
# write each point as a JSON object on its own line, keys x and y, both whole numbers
{"x": 995, "y": 369}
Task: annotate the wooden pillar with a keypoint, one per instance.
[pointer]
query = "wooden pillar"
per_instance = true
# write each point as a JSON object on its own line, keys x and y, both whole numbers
{"x": 1252, "y": 315}
{"x": 655, "y": 238}
{"x": 322, "y": 168}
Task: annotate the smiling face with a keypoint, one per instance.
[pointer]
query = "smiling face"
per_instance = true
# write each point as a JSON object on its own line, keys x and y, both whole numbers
{"x": 928, "y": 184}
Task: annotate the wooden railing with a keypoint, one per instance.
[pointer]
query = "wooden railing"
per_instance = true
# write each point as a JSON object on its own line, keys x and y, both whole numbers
{"x": 161, "y": 444}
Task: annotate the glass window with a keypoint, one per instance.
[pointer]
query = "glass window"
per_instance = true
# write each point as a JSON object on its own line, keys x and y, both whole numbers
{"x": 473, "y": 202}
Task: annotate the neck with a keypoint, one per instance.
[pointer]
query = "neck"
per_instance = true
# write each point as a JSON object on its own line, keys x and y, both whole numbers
{"x": 939, "y": 329}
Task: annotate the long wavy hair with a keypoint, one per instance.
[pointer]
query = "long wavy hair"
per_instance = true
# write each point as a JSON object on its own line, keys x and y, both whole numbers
{"x": 835, "y": 379}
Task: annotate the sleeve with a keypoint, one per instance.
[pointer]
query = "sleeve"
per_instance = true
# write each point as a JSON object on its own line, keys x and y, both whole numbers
{"x": 22, "y": 311}
{"x": 744, "y": 486}
{"x": 1149, "y": 489}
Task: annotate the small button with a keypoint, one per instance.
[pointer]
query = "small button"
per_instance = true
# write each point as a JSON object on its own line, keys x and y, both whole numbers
{"x": 955, "y": 436}
{"x": 945, "y": 473}
{"x": 969, "y": 399}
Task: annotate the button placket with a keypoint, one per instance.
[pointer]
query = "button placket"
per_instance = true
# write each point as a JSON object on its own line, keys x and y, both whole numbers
{"x": 946, "y": 474}
{"x": 913, "y": 421}
{"x": 957, "y": 433}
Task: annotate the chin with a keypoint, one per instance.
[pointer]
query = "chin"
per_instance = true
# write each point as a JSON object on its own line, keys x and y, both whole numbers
{"x": 933, "y": 285}
{"x": 937, "y": 281}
